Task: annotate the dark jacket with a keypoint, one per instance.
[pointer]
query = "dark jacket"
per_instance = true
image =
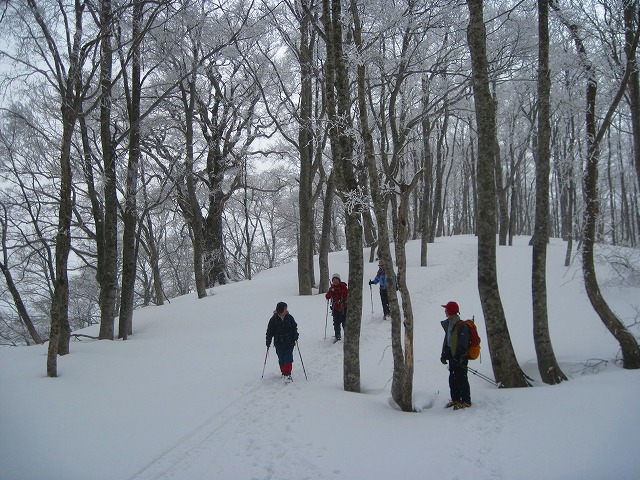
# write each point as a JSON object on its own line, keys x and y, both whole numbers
{"x": 338, "y": 296}
{"x": 283, "y": 331}
{"x": 457, "y": 346}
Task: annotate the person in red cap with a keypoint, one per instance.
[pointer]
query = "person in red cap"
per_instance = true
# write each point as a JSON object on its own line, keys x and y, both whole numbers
{"x": 454, "y": 351}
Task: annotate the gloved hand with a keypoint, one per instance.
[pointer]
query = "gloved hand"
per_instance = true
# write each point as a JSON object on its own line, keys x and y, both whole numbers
{"x": 268, "y": 344}
{"x": 370, "y": 282}
{"x": 443, "y": 360}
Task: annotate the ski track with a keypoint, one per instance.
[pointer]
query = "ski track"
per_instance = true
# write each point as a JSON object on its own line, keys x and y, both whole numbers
{"x": 264, "y": 404}
{"x": 267, "y": 403}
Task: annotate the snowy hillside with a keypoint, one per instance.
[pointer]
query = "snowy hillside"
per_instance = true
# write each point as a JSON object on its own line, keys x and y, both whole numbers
{"x": 183, "y": 398}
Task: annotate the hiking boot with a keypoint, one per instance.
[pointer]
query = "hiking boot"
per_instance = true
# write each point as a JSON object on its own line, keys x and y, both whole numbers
{"x": 288, "y": 378}
{"x": 452, "y": 403}
{"x": 461, "y": 405}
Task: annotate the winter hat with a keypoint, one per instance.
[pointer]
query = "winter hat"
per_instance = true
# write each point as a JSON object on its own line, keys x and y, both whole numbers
{"x": 336, "y": 275}
{"x": 451, "y": 308}
{"x": 280, "y": 307}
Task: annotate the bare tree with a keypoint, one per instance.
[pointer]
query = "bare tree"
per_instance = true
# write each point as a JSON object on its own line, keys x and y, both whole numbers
{"x": 17, "y": 298}
{"x": 503, "y": 359}
{"x": 340, "y": 134}
{"x": 548, "y": 367}
{"x": 628, "y": 343}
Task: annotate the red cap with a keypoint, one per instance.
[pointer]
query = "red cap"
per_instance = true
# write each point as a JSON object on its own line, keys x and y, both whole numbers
{"x": 451, "y": 308}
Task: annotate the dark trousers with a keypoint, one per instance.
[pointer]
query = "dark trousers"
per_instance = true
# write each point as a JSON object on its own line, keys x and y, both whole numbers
{"x": 339, "y": 318}
{"x": 285, "y": 358}
{"x": 459, "y": 382}
{"x": 385, "y": 301}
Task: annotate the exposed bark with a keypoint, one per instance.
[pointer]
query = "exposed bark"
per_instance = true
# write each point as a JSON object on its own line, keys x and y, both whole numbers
{"x": 628, "y": 343}
{"x": 630, "y": 15}
{"x": 130, "y": 233}
{"x": 305, "y": 149}
{"x": 189, "y": 203}
{"x": 503, "y": 359}
{"x": 427, "y": 166}
{"x": 108, "y": 245}
{"x": 66, "y": 79}
{"x": 548, "y": 367}
{"x": 338, "y": 109}
{"x": 325, "y": 240}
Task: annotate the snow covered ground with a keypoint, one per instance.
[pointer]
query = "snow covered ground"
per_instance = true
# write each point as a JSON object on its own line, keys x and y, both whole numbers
{"x": 183, "y": 398}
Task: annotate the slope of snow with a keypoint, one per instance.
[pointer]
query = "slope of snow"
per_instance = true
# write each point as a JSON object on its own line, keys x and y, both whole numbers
{"x": 183, "y": 398}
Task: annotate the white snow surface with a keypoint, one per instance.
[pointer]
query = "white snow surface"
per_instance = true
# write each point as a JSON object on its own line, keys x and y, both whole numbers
{"x": 184, "y": 398}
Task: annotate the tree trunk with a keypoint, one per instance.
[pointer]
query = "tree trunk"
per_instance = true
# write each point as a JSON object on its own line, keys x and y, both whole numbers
{"x": 426, "y": 219}
{"x": 150, "y": 242}
{"x": 215, "y": 262}
{"x": 338, "y": 109}
{"x": 190, "y": 204}
{"x": 325, "y": 240}
{"x": 436, "y": 216}
{"x": 548, "y": 367}
{"x": 130, "y": 215}
{"x": 503, "y": 359}
{"x": 630, "y": 18}
{"x": 107, "y": 246}
{"x": 67, "y": 78}
{"x": 305, "y": 149}
{"x": 15, "y": 294}
{"x": 628, "y": 343}
{"x": 60, "y": 331}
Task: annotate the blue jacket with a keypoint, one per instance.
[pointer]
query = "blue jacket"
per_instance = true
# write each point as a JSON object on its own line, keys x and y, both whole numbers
{"x": 381, "y": 278}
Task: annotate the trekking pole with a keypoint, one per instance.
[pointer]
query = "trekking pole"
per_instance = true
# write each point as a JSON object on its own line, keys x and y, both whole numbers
{"x": 305, "y": 372}
{"x": 265, "y": 362}
{"x": 481, "y": 375}
{"x": 326, "y": 318}
{"x": 371, "y": 291}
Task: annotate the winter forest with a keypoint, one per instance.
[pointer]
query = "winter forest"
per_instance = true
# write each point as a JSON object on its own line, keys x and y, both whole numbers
{"x": 152, "y": 149}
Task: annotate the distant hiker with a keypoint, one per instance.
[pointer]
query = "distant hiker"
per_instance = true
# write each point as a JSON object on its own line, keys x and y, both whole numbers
{"x": 283, "y": 329}
{"x": 338, "y": 293}
{"x": 381, "y": 278}
{"x": 454, "y": 350}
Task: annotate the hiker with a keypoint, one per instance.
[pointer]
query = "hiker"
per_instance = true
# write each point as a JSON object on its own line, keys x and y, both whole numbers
{"x": 381, "y": 278}
{"x": 454, "y": 350}
{"x": 283, "y": 329}
{"x": 338, "y": 293}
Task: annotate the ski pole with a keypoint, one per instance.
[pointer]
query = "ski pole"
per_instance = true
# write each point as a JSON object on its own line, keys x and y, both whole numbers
{"x": 371, "y": 291}
{"x": 478, "y": 374}
{"x": 305, "y": 372}
{"x": 265, "y": 362}
{"x": 326, "y": 318}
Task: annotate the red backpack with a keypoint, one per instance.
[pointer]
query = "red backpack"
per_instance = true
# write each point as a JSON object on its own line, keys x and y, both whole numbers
{"x": 474, "y": 339}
